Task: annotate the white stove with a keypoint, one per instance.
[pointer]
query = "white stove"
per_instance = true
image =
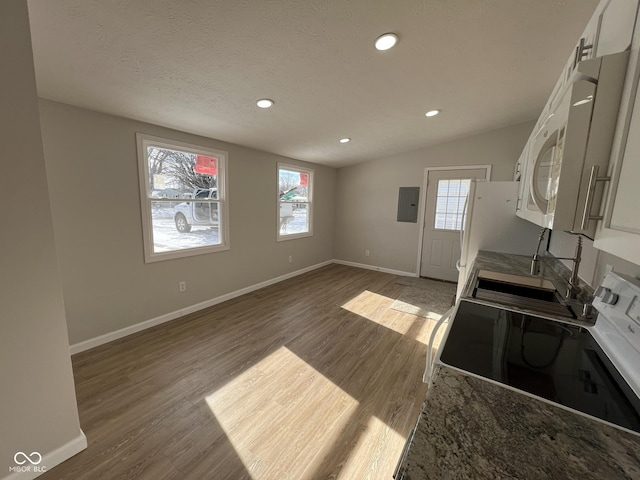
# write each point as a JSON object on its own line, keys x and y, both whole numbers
{"x": 594, "y": 371}
{"x": 617, "y": 328}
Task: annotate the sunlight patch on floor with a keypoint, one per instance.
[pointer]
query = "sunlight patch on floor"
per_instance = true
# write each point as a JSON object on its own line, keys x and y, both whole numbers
{"x": 416, "y": 310}
{"x": 376, "y": 442}
{"x": 304, "y": 409}
{"x": 375, "y": 307}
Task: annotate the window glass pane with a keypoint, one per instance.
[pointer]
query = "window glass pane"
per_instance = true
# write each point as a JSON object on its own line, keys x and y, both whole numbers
{"x": 183, "y": 198}
{"x": 294, "y": 218}
{"x": 294, "y": 201}
{"x": 182, "y": 175}
{"x": 176, "y": 174}
{"x": 450, "y": 203}
{"x": 183, "y": 225}
{"x": 454, "y": 187}
{"x": 443, "y": 188}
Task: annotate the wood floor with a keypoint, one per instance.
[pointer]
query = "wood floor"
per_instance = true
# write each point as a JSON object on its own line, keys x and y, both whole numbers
{"x": 312, "y": 378}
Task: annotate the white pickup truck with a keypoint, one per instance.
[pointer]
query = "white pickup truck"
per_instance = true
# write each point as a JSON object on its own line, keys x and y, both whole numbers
{"x": 194, "y": 213}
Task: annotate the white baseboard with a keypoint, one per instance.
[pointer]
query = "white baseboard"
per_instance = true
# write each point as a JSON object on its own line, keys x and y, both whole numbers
{"x": 123, "y": 332}
{"x": 138, "y": 327}
{"x": 378, "y": 269}
{"x": 50, "y": 459}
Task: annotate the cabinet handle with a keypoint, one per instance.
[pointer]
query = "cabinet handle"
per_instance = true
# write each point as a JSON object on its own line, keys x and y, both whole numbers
{"x": 582, "y": 50}
{"x": 588, "y": 203}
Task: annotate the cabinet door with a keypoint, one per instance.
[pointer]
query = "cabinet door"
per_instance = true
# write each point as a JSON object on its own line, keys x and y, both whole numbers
{"x": 616, "y": 26}
{"x": 624, "y": 219}
{"x": 610, "y": 30}
{"x": 619, "y": 232}
{"x": 625, "y": 215}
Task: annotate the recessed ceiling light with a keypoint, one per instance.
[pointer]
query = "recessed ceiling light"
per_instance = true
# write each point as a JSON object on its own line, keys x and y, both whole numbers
{"x": 265, "y": 103}
{"x": 345, "y": 140}
{"x": 386, "y": 41}
{"x": 432, "y": 113}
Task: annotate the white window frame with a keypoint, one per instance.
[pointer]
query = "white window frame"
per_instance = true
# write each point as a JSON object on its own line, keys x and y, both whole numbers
{"x": 309, "y": 202}
{"x": 144, "y": 140}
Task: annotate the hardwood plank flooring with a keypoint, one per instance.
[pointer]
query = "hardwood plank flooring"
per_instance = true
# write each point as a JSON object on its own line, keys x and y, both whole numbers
{"x": 315, "y": 377}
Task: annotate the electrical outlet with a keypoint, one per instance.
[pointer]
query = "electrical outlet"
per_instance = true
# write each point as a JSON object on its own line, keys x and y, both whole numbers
{"x": 366, "y": 253}
{"x": 290, "y": 258}
{"x": 182, "y": 286}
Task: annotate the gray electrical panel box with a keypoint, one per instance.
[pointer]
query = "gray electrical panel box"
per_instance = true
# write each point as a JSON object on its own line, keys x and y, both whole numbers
{"x": 408, "y": 204}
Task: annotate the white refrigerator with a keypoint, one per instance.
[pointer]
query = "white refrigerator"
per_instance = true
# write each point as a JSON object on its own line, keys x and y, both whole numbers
{"x": 491, "y": 224}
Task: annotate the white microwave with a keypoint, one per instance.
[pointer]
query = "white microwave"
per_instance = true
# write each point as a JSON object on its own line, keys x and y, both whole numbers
{"x": 572, "y": 141}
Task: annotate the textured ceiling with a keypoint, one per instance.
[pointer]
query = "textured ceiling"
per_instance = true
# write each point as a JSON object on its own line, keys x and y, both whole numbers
{"x": 200, "y": 65}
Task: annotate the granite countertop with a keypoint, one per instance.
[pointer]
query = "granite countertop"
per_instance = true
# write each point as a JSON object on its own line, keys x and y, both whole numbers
{"x": 472, "y": 428}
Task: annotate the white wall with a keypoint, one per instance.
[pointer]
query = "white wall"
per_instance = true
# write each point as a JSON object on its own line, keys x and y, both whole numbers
{"x": 38, "y": 411}
{"x": 92, "y": 163}
{"x": 368, "y": 194}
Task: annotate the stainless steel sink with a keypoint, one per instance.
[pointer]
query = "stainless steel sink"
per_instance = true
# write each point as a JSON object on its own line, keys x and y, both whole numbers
{"x": 525, "y": 293}
{"x": 518, "y": 290}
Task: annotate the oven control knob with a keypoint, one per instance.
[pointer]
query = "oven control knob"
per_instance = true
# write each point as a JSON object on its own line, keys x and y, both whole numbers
{"x": 606, "y": 296}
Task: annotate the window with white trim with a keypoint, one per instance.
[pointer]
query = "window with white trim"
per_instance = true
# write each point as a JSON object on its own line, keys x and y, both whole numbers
{"x": 295, "y": 202}
{"x": 450, "y": 200}
{"x": 183, "y": 194}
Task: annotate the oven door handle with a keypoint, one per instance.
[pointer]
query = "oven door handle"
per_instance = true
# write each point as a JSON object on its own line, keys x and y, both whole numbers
{"x": 431, "y": 357}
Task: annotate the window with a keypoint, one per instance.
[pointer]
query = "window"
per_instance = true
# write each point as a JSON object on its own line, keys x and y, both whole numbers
{"x": 295, "y": 202}
{"x": 183, "y": 197}
{"x": 450, "y": 201}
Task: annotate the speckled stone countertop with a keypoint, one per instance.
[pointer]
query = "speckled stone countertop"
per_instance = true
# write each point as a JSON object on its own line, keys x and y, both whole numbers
{"x": 474, "y": 429}
{"x": 471, "y": 428}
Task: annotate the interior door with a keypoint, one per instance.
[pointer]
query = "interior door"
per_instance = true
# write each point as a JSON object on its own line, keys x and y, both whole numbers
{"x": 446, "y": 194}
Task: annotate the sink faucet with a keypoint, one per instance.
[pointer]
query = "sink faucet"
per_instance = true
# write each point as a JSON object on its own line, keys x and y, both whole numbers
{"x": 572, "y": 288}
{"x": 535, "y": 261}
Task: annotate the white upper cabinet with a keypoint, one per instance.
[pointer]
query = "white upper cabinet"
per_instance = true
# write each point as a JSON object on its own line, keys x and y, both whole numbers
{"x": 564, "y": 164}
{"x": 610, "y": 30}
{"x": 619, "y": 231}
{"x": 573, "y": 135}
{"x": 615, "y": 32}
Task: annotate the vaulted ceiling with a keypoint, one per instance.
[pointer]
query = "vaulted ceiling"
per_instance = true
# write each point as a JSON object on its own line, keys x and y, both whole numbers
{"x": 200, "y": 65}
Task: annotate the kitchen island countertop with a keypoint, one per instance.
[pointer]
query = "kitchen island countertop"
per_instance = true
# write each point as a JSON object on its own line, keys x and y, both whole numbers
{"x": 474, "y": 428}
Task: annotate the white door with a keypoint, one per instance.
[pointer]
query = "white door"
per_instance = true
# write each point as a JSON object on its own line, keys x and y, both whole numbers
{"x": 446, "y": 193}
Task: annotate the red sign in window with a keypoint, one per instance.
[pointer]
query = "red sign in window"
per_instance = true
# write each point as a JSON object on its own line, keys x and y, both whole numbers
{"x": 206, "y": 165}
{"x": 304, "y": 179}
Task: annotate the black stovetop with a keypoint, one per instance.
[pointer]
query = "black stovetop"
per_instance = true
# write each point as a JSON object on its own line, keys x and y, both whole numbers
{"x": 556, "y": 361}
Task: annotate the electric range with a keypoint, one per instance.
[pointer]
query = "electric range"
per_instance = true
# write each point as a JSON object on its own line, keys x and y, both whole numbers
{"x": 591, "y": 370}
